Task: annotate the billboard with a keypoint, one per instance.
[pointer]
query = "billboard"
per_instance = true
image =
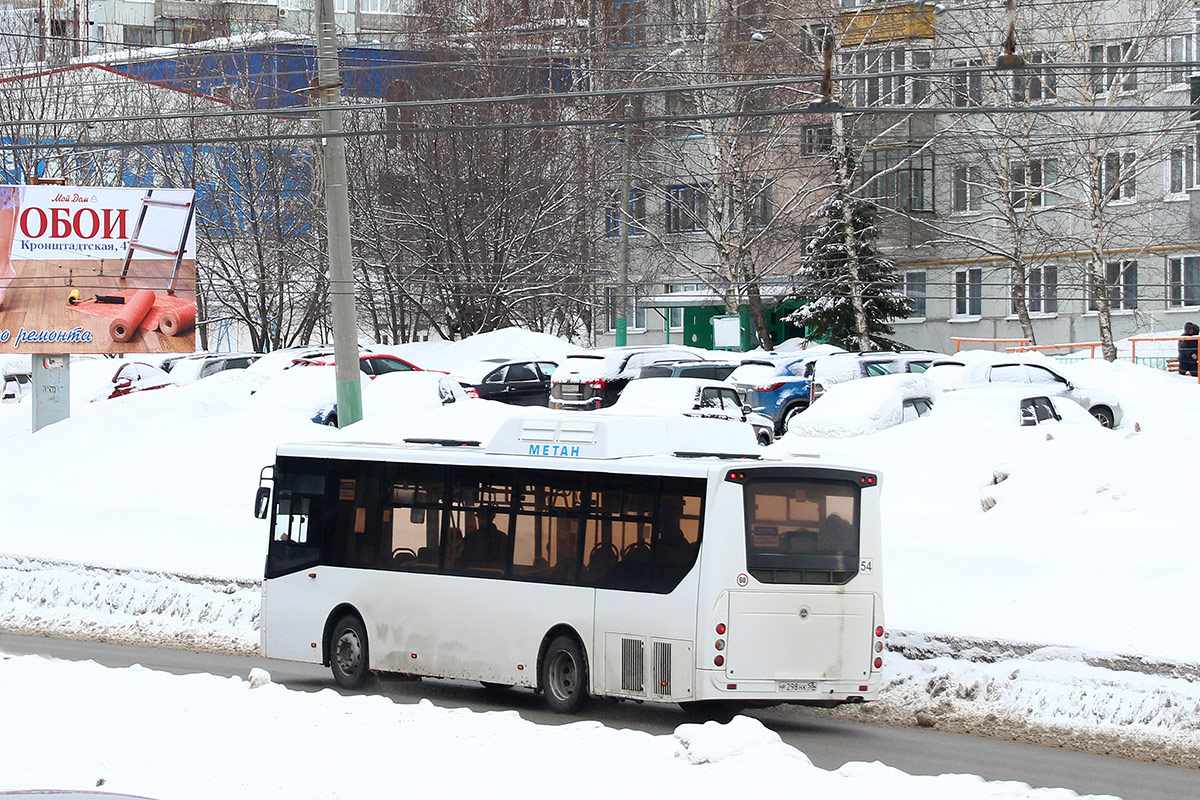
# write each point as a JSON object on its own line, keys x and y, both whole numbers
{"x": 87, "y": 269}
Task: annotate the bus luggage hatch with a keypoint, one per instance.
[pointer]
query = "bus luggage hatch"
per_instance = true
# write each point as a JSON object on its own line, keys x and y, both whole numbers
{"x": 793, "y": 636}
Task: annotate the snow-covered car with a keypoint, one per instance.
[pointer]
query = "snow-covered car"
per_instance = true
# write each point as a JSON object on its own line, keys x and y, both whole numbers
{"x": 779, "y": 384}
{"x": 16, "y": 384}
{"x": 106, "y": 379}
{"x": 842, "y": 367}
{"x": 855, "y": 408}
{"x": 192, "y": 368}
{"x": 372, "y": 364}
{"x": 1008, "y": 406}
{"x": 401, "y": 392}
{"x": 595, "y": 378}
{"x": 518, "y": 382}
{"x": 1028, "y": 371}
{"x": 692, "y": 397}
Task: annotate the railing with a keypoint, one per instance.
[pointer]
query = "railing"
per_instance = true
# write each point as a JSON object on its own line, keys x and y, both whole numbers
{"x": 1134, "y": 343}
{"x": 958, "y": 341}
{"x": 1065, "y": 346}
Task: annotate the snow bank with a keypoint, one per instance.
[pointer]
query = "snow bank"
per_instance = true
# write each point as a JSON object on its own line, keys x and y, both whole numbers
{"x": 202, "y": 736}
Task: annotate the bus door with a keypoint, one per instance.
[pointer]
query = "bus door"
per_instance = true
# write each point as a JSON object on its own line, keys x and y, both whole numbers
{"x": 641, "y": 544}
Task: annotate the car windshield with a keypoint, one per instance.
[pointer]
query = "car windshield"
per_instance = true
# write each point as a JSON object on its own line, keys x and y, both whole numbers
{"x": 385, "y": 365}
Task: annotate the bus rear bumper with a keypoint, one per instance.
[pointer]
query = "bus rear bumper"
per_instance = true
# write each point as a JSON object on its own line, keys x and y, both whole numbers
{"x": 715, "y": 685}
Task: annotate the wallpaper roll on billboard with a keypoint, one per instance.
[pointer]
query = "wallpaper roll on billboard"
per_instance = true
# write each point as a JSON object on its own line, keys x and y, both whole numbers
{"x": 181, "y": 320}
{"x": 136, "y": 308}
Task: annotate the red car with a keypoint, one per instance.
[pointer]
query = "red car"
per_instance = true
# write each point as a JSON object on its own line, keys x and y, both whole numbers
{"x": 371, "y": 363}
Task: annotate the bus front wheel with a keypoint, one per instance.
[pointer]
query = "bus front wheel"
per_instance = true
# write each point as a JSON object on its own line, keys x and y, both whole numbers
{"x": 348, "y": 652}
{"x": 564, "y": 675}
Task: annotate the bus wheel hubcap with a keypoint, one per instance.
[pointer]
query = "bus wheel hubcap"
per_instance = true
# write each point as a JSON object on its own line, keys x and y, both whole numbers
{"x": 562, "y": 676}
{"x": 348, "y": 652}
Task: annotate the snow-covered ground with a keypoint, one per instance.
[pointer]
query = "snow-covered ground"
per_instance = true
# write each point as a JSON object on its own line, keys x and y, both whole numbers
{"x": 202, "y": 736}
{"x": 1067, "y": 604}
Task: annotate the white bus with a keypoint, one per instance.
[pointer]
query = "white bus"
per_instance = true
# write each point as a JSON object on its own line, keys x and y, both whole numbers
{"x": 580, "y": 555}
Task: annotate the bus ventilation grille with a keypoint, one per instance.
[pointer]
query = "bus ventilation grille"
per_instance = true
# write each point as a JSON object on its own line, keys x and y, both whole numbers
{"x": 633, "y": 666}
{"x": 662, "y": 669}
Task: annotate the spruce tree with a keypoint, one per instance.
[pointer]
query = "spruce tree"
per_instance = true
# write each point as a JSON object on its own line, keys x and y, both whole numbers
{"x": 825, "y": 275}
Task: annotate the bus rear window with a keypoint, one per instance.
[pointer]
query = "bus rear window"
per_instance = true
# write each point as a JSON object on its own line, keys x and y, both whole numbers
{"x": 802, "y": 531}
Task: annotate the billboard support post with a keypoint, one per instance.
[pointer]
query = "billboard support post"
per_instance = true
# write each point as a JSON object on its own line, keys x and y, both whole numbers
{"x": 337, "y": 209}
{"x": 51, "y": 390}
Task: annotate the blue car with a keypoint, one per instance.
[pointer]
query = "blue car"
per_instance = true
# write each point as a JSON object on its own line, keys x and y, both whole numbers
{"x": 778, "y": 386}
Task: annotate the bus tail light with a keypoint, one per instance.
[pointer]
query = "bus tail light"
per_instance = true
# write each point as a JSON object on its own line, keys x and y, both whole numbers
{"x": 878, "y": 662}
{"x": 879, "y": 631}
{"x": 719, "y": 660}
{"x": 867, "y": 480}
{"x": 720, "y": 629}
{"x": 719, "y": 644}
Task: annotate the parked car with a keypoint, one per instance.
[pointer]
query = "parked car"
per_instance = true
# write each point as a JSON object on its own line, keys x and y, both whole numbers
{"x": 779, "y": 384}
{"x": 373, "y": 364}
{"x": 192, "y": 368}
{"x": 107, "y": 379}
{"x": 17, "y": 383}
{"x": 1033, "y": 372}
{"x": 402, "y": 391}
{"x": 841, "y": 367}
{"x": 693, "y": 397}
{"x": 689, "y": 368}
{"x": 856, "y": 408}
{"x": 594, "y": 379}
{"x": 1008, "y": 406}
{"x": 518, "y": 382}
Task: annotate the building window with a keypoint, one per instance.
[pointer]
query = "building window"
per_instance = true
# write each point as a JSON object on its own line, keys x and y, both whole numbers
{"x": 818, "y": 139}
{"x": 1041, "y": 290}
{"x": 1121, "y": 283}
{"x": 966, "y": 84}
{"x": 1181, "y": 170}
{"x": 138, "y": 35}
{"x": 1179, "y": 53}
{"x": 1114, "y": 63}
{"x": 914, "y": 290}
{"x": 637, "y": 213}
{"x": 681, "y": 103}
{"x": 635, "y": 313}
{"x": 899, "y": 178}
{"x": 675, "y": 315}
{"x": 878, "y": 76}
{"x": 967, "y": 189}
{"x": 1117, "y": 176}
{"x": 968, "y": 293}
{"x": 627, "y": 22}
{"x": 1030, "y": 180}
{"x": 1037, "y": 82}
{"x": 758, "y": 206}
{"x": 687, "y": 208}
{"x": 1183, "y": 281}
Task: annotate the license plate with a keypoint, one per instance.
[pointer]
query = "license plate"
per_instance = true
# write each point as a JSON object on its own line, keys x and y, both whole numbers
{"x": 572, "y": 390}
{"x": 797, "y": 686}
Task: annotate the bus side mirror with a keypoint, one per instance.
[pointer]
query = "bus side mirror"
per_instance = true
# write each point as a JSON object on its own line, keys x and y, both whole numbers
{"x": 262, "y": 502}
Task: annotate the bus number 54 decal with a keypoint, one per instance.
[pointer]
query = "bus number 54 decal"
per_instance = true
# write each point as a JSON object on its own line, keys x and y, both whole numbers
{"x": 865, "y": 565}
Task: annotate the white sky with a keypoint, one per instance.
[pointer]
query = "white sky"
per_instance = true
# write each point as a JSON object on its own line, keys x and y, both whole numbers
{"x": 1090, "y": 549}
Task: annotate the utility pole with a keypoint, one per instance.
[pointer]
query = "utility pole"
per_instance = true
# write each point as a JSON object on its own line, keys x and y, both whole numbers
{"x": 623, "y": 215}
{"x": 337, "y": 210}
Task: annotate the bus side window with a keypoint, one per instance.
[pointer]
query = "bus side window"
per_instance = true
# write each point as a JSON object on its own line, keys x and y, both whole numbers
{"x": 412, "y": 524}
{"x": 291, "y": 519}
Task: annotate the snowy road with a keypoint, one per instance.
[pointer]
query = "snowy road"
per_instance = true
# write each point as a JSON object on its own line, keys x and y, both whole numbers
{"x": 828, "y": 743}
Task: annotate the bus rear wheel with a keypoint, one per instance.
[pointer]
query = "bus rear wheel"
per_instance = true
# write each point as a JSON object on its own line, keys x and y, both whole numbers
{"x": 564, "y": 675}
{"x": 348, "y": 653}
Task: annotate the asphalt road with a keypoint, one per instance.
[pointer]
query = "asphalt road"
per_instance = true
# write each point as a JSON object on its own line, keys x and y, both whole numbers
{"x": 828, "y": 743}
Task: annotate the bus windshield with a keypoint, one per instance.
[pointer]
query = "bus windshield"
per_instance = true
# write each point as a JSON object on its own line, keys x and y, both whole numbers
{"x": 802, "y": 531}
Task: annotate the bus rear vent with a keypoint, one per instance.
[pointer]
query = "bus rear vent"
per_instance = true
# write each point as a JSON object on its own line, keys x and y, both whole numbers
{"x": 633, "y": 670}
{"x": 662, "y": 669}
